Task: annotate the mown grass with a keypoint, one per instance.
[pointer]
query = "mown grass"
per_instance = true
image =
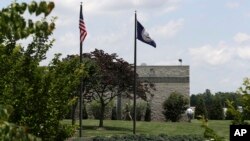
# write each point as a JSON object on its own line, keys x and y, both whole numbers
{"x": 117, "y": 127}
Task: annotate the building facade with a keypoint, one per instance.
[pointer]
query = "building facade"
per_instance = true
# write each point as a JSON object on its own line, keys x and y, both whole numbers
{"x": 167, "y": 79}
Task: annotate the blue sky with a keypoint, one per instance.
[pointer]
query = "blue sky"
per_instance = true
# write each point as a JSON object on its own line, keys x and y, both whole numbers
{"x": 211, "y": 36}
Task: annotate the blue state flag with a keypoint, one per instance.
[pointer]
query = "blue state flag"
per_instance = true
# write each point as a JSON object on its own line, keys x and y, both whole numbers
{"x": 143, "y": 36}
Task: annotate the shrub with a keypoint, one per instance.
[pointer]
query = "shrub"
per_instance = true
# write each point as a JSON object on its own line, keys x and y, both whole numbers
{"x": 84, "y": 112}
{"x": 147, "y": 116}
{"x": 10, "y": 131}
{"x": 174, "y": 106}
{"x": 140, "y": 110}
{"x": 94, "y": 108}
{"x": 65, "y": 131}
{"x": 114, "y": 114}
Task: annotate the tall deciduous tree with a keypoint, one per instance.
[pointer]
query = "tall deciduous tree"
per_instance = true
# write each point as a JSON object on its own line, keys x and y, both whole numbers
{"x": 113, "y": 76}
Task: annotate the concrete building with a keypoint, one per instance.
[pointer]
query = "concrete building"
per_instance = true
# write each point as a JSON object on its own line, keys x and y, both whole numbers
{"x": 167, "y": 79}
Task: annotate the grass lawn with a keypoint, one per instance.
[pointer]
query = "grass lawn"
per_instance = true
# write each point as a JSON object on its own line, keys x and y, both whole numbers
{"x": 117, "y": 127}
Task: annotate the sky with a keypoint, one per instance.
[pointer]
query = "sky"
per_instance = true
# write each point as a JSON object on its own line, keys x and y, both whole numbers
{"x": 211, "y": 36}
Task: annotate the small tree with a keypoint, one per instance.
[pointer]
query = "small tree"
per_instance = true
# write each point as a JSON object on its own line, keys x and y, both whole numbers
{"x": 174, "y": 106}
{"x": 237, "y": 116}
{"x": 111, "y": 77}
{"x": 245, "y": 92}
{"x": 209, "y": 133}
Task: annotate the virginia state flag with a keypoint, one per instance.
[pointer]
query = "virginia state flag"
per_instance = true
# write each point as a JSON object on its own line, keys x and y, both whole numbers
{"x": 143, "y": 36}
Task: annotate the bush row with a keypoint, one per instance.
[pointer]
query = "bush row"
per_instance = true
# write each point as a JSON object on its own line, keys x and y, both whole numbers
{"x": 161, "y": 137}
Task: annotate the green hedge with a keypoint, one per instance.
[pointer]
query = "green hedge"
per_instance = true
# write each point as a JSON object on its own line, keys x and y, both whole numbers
{"x": 161, "y": 137}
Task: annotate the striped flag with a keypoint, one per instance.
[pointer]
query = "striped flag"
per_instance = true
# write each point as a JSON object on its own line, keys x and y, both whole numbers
{"x": 83, "y": 31}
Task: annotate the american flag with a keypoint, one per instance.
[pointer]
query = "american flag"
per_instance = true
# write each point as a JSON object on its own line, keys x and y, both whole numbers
{"x": 83, "y": 31}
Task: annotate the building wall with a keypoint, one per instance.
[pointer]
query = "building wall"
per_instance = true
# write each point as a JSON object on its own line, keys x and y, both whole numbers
{"x": 167, "y": 79}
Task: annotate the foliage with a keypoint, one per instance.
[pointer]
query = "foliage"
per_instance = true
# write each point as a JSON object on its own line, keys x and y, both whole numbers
{"x": 174, "y": 106}
{"x": 114, "y": 113}
{"x": 232, "y": 96}
{"x": 209, "y": 133}
{"x": 216, "y": 110}
{"x": 237, "y": 116}
{"x": 111, "y": 77}
{"x": 84, "y": 112}
{"x": 143, "y": 137}
{"x": 65, "y": 131}
{"x": 229, "y": 114}
{"x": 200, "y": 109}
{"x": 140, "y": 110}
{"x": 71, "y": 112}
{"x": 147, "y": 116}
{"x": 40, "y": 96}
{"x": 94, "y": 109}
{"x": 11, "y": 131}
{"x": 245, "y": 92}
{"x": 208, "y": 99}
{"x": 212, "y": 101}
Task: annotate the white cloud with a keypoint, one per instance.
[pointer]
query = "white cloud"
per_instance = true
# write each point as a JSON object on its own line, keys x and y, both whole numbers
{"x": 168, "y": 30}
{"x": 114, "y": 6}
{"x": 170, "y": 9}
{"x": 232, "y": 5}
{"x": 68, "y": 4}
{"x": 208, "y": 54}
{"x": 241, "y": 37}
{"x": 244, "y": 52}
{"x": 223, "y": 53}
{"x": 68, "y": 43}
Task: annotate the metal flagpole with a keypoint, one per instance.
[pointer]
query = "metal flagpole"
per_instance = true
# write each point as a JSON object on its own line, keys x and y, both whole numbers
{"x": 83, "y": 34}
{"x": 134, "y": 108}
{"x": 81, "y": 89}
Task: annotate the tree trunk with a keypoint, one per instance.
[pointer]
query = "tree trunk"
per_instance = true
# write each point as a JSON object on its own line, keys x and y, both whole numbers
{"x": 102, "y": 115}
{"x": 119, "y": 107}
{"x": 73, "y": 112}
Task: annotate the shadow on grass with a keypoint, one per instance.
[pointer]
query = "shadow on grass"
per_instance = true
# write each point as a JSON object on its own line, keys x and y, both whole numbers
{"x": 106, "y": 128}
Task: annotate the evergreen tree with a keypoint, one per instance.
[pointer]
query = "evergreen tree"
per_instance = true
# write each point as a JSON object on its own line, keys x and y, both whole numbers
{"x": 174, "y": 106}
{"x": 216, "y": 111}
{"x": 200, "y": 109}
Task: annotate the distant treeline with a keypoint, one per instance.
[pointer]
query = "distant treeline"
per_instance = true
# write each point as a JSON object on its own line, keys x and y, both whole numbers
{"x": 211, "y": 105}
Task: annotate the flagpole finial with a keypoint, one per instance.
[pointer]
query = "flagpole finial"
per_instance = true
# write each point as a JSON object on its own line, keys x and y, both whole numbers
{"x": 81, "y": 2}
